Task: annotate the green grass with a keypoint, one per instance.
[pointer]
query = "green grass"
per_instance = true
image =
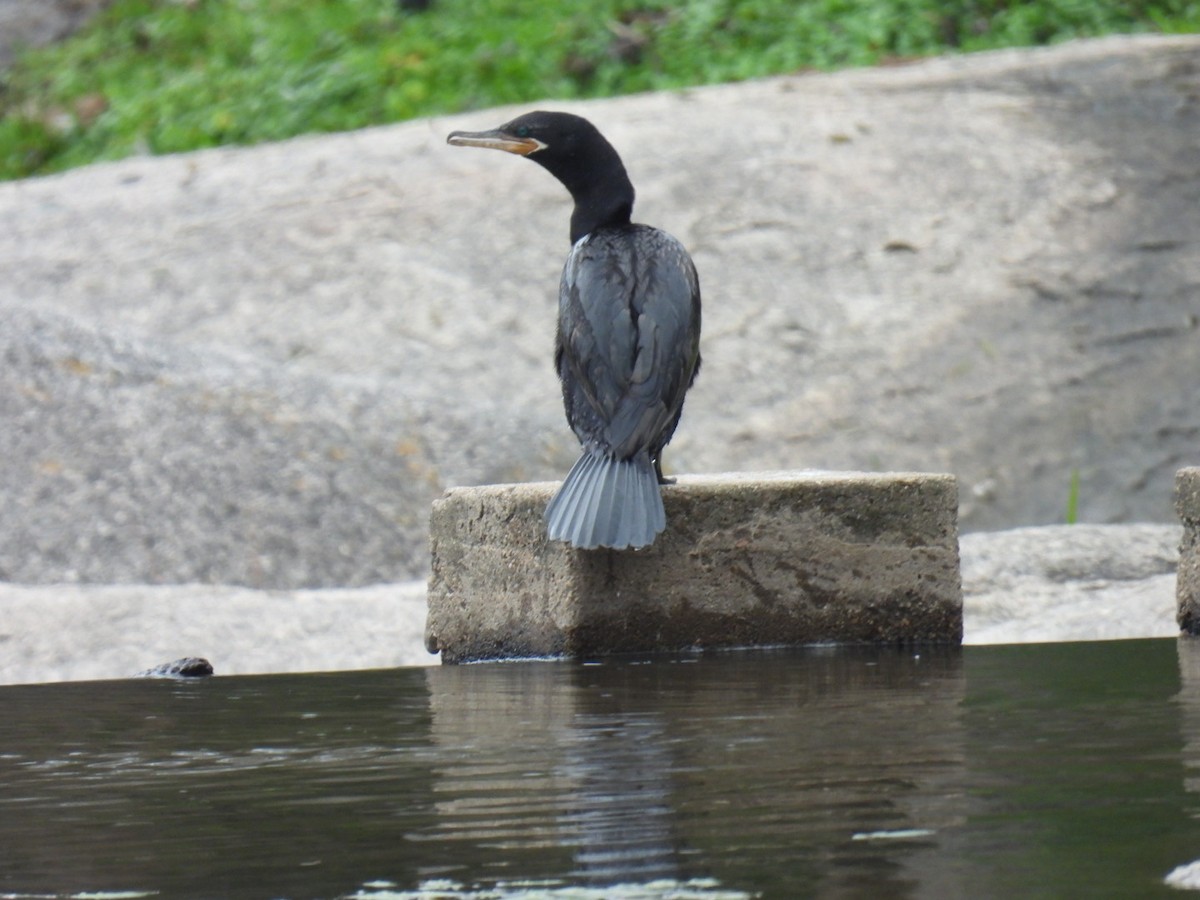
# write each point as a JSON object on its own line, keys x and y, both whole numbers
{"x": 163, "y": 76}
{"x": 1073, "y": 498}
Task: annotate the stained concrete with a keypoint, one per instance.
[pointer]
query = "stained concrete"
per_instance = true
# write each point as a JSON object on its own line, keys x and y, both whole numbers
{"x": 761, "y": 559}
{"x": 1187, "y": 584}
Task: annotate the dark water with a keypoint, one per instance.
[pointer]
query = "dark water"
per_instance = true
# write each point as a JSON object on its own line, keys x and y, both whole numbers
{"x": 1064, "y": 770}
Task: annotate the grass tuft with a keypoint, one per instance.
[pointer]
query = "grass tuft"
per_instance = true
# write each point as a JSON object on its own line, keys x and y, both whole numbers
{"x": 1073, "y": 498}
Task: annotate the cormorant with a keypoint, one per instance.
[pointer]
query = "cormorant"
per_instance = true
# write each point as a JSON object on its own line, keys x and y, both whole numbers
{"x": 627, "y": 346}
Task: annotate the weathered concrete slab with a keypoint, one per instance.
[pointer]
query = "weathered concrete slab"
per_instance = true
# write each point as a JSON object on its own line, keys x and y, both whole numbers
{"x": 752, "y": 559}
{"x": 1187, "y": 583}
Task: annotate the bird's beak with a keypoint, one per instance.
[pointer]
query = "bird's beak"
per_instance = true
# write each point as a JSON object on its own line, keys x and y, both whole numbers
{"x": 495, "y": 140}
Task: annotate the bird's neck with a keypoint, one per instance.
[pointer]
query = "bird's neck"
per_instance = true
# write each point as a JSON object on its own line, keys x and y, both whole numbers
{"x": 597, "y": 209}
{"x": 603, "y": 196}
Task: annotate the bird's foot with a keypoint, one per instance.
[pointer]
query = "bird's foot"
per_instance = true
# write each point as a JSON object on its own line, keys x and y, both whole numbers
{"x": 662, "y": 479}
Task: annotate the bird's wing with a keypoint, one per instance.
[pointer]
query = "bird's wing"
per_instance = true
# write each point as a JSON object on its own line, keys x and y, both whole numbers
{"x": 628, "y": 337}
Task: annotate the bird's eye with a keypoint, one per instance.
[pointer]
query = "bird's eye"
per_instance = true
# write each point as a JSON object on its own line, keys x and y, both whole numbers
{"x": 523, "y": 131}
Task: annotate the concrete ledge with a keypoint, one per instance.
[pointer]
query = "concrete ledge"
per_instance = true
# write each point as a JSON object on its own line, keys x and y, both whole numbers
{"x": 1187, "y": 577}
{"x": 757, "y": 559}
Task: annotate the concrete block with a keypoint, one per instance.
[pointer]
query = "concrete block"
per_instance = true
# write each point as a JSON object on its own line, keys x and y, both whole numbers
{"x": 1187, "y": 577}
{"x": 760, "y": 559}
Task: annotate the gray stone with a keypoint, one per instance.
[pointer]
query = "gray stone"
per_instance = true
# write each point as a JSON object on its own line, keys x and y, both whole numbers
{"x": 182, "y": 669}
{"x": 35, "y": 23}
{"x": 780, "y": 559}
{"x": 86, "y": 632}
{"x": 1069, "y": 583}
{"x": 126, "y": 460}
{"x": 1187, "y": 504}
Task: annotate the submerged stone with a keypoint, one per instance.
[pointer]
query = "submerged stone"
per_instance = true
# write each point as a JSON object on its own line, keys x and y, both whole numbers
{"x": 188, "y": 667}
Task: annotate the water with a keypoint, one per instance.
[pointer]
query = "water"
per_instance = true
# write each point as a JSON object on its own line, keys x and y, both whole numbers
{"x": 1033, "y": 771}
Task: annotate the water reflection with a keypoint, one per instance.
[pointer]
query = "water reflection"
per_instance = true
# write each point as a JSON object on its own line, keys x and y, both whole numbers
{"x": 697, "y": 768}
{"x": 1186, "y": 872}
{"x": 1052, "y": 770}
{"x": 621, "y": 821}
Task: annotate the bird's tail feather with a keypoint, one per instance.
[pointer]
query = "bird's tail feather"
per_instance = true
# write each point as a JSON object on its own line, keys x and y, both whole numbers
{"x": 607, "y": 502}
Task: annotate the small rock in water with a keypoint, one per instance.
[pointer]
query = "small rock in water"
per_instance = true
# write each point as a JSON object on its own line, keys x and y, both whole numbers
{"x": 188, "y": 667}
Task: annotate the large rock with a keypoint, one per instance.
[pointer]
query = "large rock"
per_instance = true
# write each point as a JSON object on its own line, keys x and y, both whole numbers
{"x": 1069, "y": 583}
{"x": 261, "y": 365}
{"x": 131, "y": 461}
{"x": 89, "y": 632}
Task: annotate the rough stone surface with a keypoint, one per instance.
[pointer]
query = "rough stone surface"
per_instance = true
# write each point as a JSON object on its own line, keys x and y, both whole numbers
{"x": 781, "y": 559}
{"x": 260, "y": 365}
{"x": 1031, "y": 584}
{"x": 129, "y": 461}
{"x": 35, "y": 23}
{"x": 87, "y": 632}
{"x": 1069, "y": 583}
{"x": 1187, "y": 504}
{"x": 188, "y": 667}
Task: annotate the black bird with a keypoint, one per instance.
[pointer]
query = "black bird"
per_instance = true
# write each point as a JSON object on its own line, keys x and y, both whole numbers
{"x": 628, "y": 342}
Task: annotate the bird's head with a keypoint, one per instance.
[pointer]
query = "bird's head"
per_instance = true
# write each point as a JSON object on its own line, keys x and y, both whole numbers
{"x": 574, "y": 151}
{"x": 544, "y": 136}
